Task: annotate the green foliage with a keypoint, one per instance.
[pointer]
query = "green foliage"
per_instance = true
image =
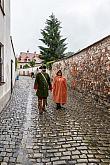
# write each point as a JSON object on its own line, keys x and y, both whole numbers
{"x": 32, "y": 63}
{"x": 26, "y": 66}
{"x": 49, "y": 64}
{"x": 54, "y": 44}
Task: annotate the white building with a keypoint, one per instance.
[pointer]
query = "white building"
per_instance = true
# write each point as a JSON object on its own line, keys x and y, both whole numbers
{"x": 7, "y": 54}
{"x": 24, "y": 60}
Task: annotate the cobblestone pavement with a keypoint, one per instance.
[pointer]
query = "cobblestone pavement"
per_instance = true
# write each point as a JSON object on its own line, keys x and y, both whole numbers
{"x": 79, "y": 134}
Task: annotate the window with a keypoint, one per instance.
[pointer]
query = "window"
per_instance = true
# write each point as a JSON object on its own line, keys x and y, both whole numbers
{"x": 2, "y": 6}
{"x": 1, "y": 64}
{"x": 20, "y": 66}
{"x": 19, "y": 58}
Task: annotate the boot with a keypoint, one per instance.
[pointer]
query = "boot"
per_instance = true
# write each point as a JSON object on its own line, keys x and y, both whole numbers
{"x": 58, "y": 106}
{"x": 44, "y": 104}
{"x": 40, "y": 106}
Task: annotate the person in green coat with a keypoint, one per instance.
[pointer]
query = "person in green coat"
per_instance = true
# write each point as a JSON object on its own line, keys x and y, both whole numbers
{"x": 42, "y": 86}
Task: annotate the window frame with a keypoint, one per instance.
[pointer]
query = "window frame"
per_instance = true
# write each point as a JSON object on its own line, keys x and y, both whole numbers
{"x": 1, "y": 64}
{"x": 21, "y": 67}
{"x": 2, "y": 6}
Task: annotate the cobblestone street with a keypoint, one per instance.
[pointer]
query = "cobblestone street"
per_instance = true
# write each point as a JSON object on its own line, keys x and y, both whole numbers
{"x": 77, "y": 134}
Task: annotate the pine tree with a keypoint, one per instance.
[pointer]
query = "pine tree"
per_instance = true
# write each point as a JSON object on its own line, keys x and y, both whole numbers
{"x": 32, "y": 64}
{"x": 54, "y": 44}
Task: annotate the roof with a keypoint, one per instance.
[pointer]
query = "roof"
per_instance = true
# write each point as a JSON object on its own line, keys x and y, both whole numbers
{"x": 27, "y": 57}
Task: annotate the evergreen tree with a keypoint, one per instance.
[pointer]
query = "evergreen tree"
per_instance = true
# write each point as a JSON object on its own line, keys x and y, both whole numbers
{"x": 26, "y": 66}
{"x": 32, "y": 64}
{"x": 54, "y": 44}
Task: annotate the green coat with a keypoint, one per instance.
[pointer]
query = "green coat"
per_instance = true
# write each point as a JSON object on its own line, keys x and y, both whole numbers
{"x": 42, "y": 85}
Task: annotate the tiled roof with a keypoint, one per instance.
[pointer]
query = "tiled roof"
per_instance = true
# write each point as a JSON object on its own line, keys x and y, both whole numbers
{"x": 27, "y": 57}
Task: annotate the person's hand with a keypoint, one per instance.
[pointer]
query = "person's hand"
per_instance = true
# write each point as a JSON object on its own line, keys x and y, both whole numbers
{"x": 35, "y": 87}
{"x": 50, "y": 90}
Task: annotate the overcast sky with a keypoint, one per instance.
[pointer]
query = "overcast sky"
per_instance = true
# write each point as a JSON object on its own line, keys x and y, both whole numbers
{"x": 83, "y": 22}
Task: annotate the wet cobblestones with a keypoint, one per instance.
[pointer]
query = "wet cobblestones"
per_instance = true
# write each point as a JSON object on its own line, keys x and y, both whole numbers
{"x": 79, "y": 134}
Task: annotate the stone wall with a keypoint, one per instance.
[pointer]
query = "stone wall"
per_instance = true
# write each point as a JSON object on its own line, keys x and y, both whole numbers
{"x": 88, "y": 71}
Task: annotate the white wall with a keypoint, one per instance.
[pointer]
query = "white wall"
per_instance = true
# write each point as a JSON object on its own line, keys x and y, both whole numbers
{"x": 13, "y": 58}
{"x": 28, "y": 71}
{"x": 5, "y": 90}
{"x": 1, "y": 27}
{"x": 7, "y": 47}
